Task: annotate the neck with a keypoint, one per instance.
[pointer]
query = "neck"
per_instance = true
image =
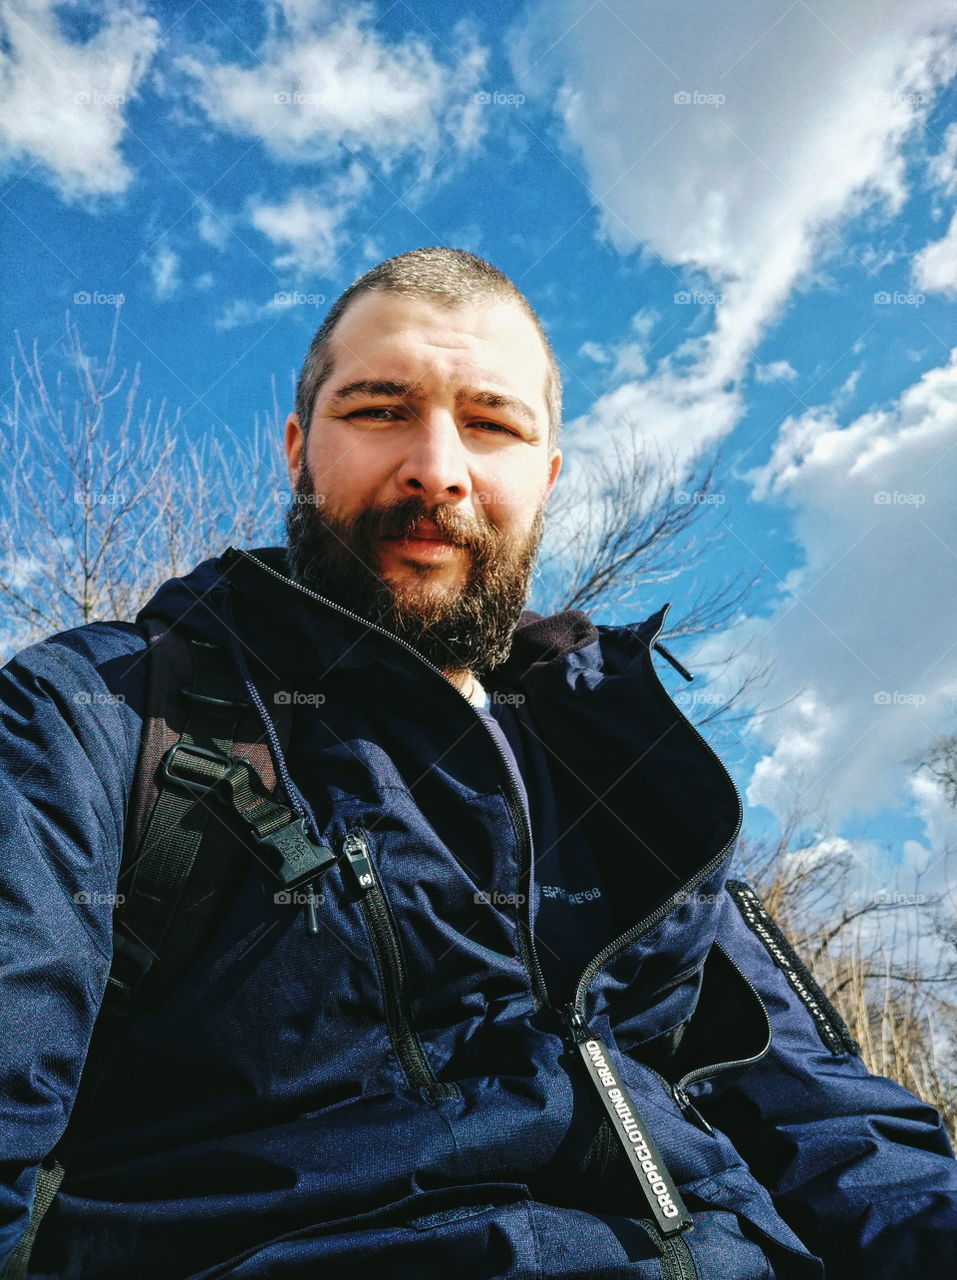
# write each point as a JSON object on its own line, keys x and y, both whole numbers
{"x": 466, "y": 683}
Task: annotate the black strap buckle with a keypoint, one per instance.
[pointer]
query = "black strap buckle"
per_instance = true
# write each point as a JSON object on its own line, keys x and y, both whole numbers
{"x": 132, "y": 961}
{"x": 191, "y": 784}
{"x": 292, "y": 856}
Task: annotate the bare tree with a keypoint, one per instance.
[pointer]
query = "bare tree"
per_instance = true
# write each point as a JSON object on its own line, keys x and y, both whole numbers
{"x": 627, "y": 521}
{"x": 885, "y": 958}
{"x": 940, "y": 760}
{"x": 104, "y": 496}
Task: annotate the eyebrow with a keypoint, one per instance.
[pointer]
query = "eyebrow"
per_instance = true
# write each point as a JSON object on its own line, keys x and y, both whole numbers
{"x": 415, "y": 391}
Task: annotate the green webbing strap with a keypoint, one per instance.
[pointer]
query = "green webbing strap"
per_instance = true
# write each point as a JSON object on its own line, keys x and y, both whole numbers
{"x": 178, "y": 823}
{"x": 49, "y": 1177}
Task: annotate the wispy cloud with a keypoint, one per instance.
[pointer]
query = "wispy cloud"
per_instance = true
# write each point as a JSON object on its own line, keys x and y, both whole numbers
{"x": 66, "y": 100}
{"x": 324, "y": 78}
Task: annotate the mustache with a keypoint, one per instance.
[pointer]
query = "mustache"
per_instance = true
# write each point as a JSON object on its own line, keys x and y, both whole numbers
{"x": 400, "y": 520}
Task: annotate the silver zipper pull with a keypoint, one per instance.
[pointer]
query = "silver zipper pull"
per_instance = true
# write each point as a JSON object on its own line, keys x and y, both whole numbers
{"x": 690, "y": 1110}
{"x": 360, "y": 864}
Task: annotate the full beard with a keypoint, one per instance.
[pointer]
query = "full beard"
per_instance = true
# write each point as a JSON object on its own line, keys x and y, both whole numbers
{"x": 466, "y": 628}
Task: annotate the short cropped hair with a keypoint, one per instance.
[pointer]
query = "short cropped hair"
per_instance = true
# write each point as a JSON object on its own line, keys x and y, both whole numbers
{"x": 450, "y": 276}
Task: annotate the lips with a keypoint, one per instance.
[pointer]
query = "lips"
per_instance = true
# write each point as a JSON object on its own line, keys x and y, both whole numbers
{"x": 424, "y": 533}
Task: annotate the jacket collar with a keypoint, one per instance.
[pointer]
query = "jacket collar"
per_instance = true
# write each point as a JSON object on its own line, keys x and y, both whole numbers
{"x": 290, "y": 630}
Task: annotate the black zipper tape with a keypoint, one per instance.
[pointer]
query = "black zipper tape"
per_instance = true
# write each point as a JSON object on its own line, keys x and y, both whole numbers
{"x": 830, "y": 1025}
{"x": 657, "y": 1184}
{"x": 385, "y": 941}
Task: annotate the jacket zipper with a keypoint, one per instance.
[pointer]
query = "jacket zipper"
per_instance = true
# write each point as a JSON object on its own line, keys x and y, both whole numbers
{"x": 678, "y": 1089}
{"x": 649, "y": 921}
{"x": 677, "y": 1260}
{"x": 388, "y": 953}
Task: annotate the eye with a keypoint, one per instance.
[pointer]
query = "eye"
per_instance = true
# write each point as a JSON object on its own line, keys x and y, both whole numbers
{"x": 496, "y": 426}
{"x": 368, "y": 413}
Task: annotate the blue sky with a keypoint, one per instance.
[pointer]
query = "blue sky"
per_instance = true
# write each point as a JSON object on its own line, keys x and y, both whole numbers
{"x": 737, "y": 223}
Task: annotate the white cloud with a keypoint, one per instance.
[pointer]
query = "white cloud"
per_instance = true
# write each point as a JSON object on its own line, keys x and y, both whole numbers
{"x": 242, "y": 311}
{"x": 325, "y": 79}
{"x": 776, "y": 371}
{"x": 942, "y": 169}
{"x": 742, "y": 193}
{"x": 309, "y": 226}
{"x": 213, "y": 226}
{"x": 65, "y": 102}
{"x": 594, "y": 351}
{"x": 862, "y": 635}
{"x": 935, "y": 267}
{"x": 164, "y": 268}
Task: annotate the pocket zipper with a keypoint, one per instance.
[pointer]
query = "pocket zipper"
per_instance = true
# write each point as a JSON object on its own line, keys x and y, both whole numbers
{"x": 391, "y": 966}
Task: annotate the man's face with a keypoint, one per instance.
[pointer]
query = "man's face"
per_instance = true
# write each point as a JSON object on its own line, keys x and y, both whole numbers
{"x": 433, "y": 422}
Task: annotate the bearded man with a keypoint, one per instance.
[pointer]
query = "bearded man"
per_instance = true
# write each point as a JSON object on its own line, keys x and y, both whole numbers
{"x": 507, "y": 1012}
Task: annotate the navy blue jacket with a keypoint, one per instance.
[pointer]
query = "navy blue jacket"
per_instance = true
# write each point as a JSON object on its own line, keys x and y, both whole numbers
{"x": 400, "y": 1096}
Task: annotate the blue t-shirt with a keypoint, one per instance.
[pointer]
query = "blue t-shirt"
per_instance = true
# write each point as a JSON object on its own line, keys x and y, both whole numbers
{"x": 571, "y": 913}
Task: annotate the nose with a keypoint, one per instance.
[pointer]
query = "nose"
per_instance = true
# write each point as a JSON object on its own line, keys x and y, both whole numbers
{"x": 435, "y": 467}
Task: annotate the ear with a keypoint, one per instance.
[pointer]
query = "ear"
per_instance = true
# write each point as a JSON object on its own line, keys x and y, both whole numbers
{"x": 295, "y": 440}
{"x": 554, "y": 466}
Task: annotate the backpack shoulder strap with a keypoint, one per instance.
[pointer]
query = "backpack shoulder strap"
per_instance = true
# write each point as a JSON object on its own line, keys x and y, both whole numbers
{"x": 183, "y": 855}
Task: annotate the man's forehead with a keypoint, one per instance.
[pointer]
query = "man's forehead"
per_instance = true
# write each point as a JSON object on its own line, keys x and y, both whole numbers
{"x": 376, "y": 334}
